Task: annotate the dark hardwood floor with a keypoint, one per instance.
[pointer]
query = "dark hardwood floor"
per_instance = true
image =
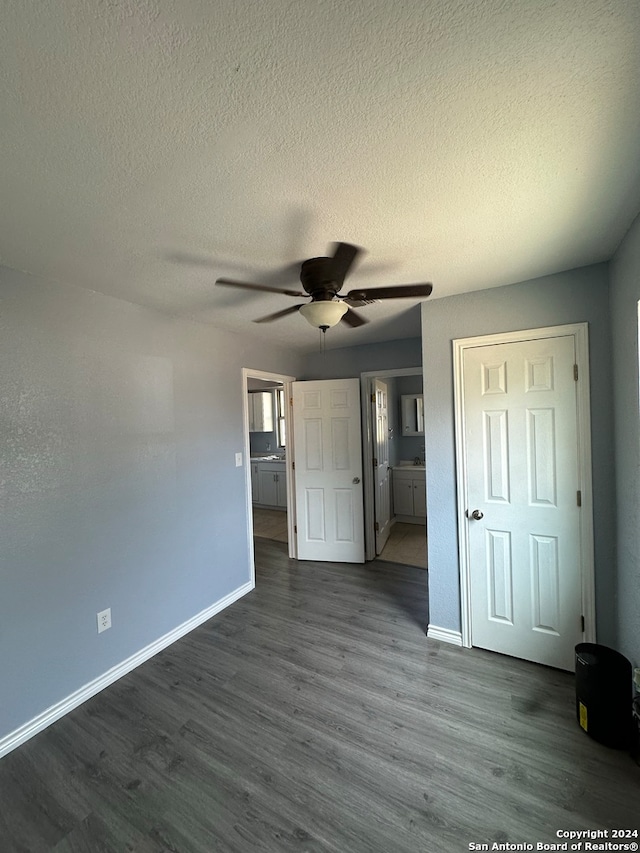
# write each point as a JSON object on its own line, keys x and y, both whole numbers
{"x": 314, "y": 715}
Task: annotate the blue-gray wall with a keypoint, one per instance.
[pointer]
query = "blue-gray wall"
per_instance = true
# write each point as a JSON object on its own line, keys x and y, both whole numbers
{"x": 352, "y": 361}
{"x": 625, "y": 293}
{"x": 571, "y": 297}
{"x": 118, "y": 486}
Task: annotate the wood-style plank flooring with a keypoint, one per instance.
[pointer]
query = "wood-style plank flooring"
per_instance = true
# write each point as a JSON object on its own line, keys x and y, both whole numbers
{"x": 314, "y": 715}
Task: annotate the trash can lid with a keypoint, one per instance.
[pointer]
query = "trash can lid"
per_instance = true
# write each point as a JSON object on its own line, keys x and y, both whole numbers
{"x": 593, "y": 654}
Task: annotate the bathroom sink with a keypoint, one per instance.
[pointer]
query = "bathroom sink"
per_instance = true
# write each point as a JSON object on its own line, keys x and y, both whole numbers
{"x": 409, "y": 463}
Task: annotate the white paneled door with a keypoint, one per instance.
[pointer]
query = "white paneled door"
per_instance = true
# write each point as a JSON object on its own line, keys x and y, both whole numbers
{"x": 381, "y": 465}
{"x": 521, "y": 440}
{"x": 382, "y": 497}
{"x": 328, "y": 470}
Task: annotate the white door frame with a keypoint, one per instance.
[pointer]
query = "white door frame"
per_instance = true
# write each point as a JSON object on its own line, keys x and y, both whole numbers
{"x": 286, "y": 381}
{"x": 366, "y": 390}
{"x": 580, "y": 333}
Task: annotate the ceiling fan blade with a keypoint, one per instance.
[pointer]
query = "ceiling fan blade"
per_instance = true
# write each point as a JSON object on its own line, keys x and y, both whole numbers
{"x": 352, "y": 318}
{"x": 399, "y": 292}
{"x": 278, "y": 314}
{"x": 344, "y": 256}
{"x": 247, "y": 285}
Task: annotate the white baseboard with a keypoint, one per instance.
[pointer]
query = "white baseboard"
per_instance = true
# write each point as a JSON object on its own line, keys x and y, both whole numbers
{"x": 445, "y": 635}
{"x": 46, "y": 718}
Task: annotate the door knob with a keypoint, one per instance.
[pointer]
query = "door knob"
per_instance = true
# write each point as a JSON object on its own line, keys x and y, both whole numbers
{"x": 477, "y": 515}
{"x": 356, "y": 480}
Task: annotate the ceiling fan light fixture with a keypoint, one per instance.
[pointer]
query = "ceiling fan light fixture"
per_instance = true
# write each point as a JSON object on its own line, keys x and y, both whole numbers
{"x": 325, "y": 313}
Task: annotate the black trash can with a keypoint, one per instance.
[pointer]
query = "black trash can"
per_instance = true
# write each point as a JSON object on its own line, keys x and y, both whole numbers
{"x": 603, "y": 694}
{"x": 635, "y": 729}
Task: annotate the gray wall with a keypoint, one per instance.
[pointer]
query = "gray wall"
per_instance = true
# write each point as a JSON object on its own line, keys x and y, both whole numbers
{"x": 571, "y": 297}
{"x": 118, "y": 486}
{"x": 625, "y": 293}
{"x": 352, "y": 361}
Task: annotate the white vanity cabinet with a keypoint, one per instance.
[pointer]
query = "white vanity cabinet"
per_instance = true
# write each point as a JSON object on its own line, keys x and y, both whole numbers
{"x": 269, "y": 484}
{"x": 409, "y": 494}
{"x": 255, "y": 482}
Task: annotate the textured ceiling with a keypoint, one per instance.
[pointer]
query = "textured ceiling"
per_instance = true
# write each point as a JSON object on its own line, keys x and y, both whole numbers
{"x": 148, "y": 147}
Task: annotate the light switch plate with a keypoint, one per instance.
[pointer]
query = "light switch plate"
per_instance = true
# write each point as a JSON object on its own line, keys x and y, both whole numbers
{"x": 238, "y": 460}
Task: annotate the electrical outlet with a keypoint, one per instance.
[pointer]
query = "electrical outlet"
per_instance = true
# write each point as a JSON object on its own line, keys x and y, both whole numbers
{"x": 238, "y": 460}
{"x": 104, "y": 620}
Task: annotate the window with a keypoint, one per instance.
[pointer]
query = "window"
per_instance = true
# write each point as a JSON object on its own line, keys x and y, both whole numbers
{"x": 281, "y": 430}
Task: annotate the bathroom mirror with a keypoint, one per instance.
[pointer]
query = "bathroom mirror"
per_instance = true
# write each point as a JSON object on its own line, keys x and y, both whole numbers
{"x": 412, "y": 409}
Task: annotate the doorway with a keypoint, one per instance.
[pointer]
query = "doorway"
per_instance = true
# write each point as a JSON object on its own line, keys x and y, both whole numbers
{"x": 394, "y": 470}
{"x": 268, "y": 458}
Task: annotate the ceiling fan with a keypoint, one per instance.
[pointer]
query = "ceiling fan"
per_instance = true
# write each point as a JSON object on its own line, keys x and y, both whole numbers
{"x": 322, "y": 280}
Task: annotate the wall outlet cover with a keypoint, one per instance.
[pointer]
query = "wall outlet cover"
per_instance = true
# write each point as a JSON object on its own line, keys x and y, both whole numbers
{"x": 238, "y": 460}
{"x": 104, "y": 620}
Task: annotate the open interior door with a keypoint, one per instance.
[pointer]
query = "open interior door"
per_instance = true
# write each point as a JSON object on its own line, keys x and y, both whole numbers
{"x": 382, "y": 493}
{"x": 328, "y": 470}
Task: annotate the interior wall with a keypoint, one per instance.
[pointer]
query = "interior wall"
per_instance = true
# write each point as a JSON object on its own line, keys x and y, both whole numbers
{"x": 625, "y": 293}
{"x": 118, "y": 485}
{"x": 571, "y": 297}
{"x": 349, "y": 362}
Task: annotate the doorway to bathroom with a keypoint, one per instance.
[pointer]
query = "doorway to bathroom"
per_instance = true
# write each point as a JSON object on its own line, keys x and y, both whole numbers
{"x": 394, "y": 471}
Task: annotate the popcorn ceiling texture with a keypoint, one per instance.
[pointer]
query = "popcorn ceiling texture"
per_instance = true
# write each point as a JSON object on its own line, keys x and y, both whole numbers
{"x": 149, "y": 147}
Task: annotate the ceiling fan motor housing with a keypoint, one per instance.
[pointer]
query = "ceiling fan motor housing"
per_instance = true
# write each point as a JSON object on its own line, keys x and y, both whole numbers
{"x": 318, "y": 278}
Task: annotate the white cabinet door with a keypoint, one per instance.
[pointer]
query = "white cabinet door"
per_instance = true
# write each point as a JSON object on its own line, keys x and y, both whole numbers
{"x": 419, "y": 499}
{"x": 281, "y": 488}
{"x": 252, "y": 416}
{"x": 255, "y": 483}
{"x": 268, "y": 486}
{"x": 409, "y": 495}
{"x": 402, "y": 496}
{"x": 328, "y": 472}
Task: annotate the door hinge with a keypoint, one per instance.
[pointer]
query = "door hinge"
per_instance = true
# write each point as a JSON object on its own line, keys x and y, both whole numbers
{"x": 582, "y": 623}
{"x": 575, "y": 372}
{"x": 377, "y": 527}
{"x": 375, "y": 463}
{"x": 579, "y": 497}
{"x": 291, "y": 401}
{"x": 295, "y": 528}
{"x": 293, "y": 465}
{"x": 373, "y": 398}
